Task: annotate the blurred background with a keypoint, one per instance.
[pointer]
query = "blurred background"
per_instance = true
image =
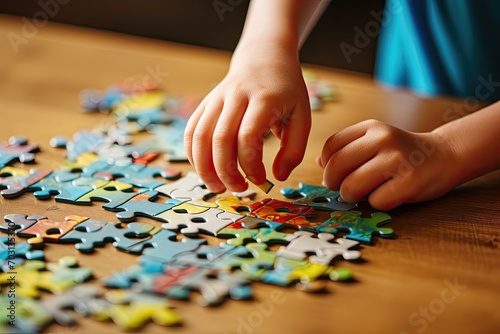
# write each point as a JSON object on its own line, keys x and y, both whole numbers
{"x": 211, "y": 23}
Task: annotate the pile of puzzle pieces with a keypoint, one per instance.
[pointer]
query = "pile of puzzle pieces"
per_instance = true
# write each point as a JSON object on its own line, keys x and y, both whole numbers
{"x": 284, "y": 243}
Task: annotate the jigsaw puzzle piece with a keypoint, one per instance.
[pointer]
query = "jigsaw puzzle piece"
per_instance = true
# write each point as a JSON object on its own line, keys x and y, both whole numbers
{"x": 13, "y": 254}
{"x": 188, "y": 182}
{"x": 80, "y": 162}
{"x": 16, "y": 181}
{"x": 320, "y": 245}
{"x": 359, "y": 228}
{"x": 163, "y": 246}
{"x": 208, "y": 222}
{"x": 317, "y": 197}
{"x": 50, "y": 230}
{"x": 17, "y": 149}
{"x": 170, "y": 138}
{"x": 303, "y": 274}
{"x": 95, "y": 233}
{"x": 28, "y": 315}
{"x": 51, "y": 185}
{"x": 78, "y": 298}
{"x": 132, "y": 310}
{"x": 142, "y": 205}
{"x": 234, "y": 204}
{"x": 70, "y": 192}
{"x": 285, "y": 213}
{"x": 250, "y": 222}
{"x": 114, "y": 193}
{"x": 216, "y": 257}
{"x": 253, "y": 267}
{"x": 34, "y": 276}
{"x": 17, "y": 222}
{"x": 213, "y": 285}
{"x": 237, "y": 235}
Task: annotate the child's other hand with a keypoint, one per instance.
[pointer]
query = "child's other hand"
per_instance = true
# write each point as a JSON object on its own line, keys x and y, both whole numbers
{"x": 387, "y": 166}
{"x": 263, "y": 90}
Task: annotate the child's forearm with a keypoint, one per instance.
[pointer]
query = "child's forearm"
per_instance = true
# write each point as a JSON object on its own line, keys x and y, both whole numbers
{"x": 274, "y": 23}
{"x": 475, "y": 140}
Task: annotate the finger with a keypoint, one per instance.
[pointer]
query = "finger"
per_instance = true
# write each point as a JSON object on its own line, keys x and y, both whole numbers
{"x": 347, "y": 159}
{"x": 202, "y": 148}
{"x": 357, "y": 186}
{"x": 318, "y": 161}
{"x": 189, "y": 131}
{"x": 224, "y": 143}
{"x": 254, "y": 126}
{"x": 342, "y": 138}
{"x": 293, "y": 143}
{"x": 390, "y": 194}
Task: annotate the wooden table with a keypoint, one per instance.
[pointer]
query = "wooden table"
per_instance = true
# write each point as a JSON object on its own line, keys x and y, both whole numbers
{"x": 439, "y": 275}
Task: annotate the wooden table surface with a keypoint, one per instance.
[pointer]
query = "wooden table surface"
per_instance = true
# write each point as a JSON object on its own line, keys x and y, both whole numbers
{"x": 440, "y": 274}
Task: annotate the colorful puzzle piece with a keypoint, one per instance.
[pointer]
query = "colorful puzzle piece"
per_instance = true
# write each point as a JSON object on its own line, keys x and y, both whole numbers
{"x": 306, "y": 243}
{"x": 31, "y": 276}
{"x": 17, "y": 149}
{"x": 16, "y": 222}
{"x": 209, "y": 222}
{"x": 51, "y": 185}
{"x": 317, "y": 197}
{"x": 13, "y": 254}
{"x": 50, "y": 230}
{"x": 131, "y": 310}
{"x": 30, "y": 315}
{"x": 286, "y": 213}
{"x": 163, "y": 246}
{"x": 94, "y": 233}
{"x": 16, "y": 181}
{"x": 142, "y": 205}
{"x": 359, "y": 228}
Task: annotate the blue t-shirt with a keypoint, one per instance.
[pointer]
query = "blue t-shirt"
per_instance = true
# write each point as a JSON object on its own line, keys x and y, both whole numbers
{"x": 441, "y": 47}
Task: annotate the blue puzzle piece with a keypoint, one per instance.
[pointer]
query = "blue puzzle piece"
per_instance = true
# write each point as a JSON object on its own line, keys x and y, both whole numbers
{"x": 317, "y": 197}
{"x": 51, "y": 185}
{"x": 163, "y": 246}
{"x": 142, "y": 205}
{"x": 13, "y": 254}
{"x": 94, "y": 233}
{"x": 114, "y": 193}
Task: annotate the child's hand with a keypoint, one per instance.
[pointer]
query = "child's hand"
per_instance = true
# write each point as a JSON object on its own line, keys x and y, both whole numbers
{"x": 386, "y": 165}
{"x": 263, "y": 90}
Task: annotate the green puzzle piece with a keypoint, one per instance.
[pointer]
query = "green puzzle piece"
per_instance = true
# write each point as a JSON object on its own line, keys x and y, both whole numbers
{"x": 360, "y": 228}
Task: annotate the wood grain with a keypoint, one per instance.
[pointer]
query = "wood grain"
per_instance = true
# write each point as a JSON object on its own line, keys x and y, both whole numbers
{"x": 439, "y": 275}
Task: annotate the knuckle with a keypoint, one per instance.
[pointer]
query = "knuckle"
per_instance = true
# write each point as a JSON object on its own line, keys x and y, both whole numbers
{"x": 221, "y": 137}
